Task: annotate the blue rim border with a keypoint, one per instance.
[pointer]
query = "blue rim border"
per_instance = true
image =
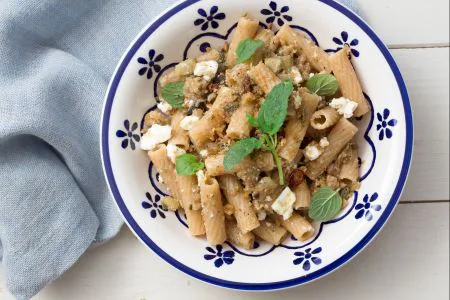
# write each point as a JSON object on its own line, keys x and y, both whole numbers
{"x": 252, "y": 286}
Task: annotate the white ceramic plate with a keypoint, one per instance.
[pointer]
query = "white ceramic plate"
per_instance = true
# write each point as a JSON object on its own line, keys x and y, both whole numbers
{"x": 386, "y": 141}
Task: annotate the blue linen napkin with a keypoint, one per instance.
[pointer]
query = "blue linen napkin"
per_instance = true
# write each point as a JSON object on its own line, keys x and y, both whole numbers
{"x": 56, "y": 57}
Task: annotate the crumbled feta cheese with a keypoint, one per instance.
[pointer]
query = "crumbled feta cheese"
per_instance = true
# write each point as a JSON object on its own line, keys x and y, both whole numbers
{"x": 188, "y": 122}
{"x": 201, "y": 178}
{"x": 157, "y": 134}
{"x": 344, "y": 106}
{"x": 173, "y": 152}
{"x": 189, "y": 102}
{"x": 311, "y": 75}
{"x": 262, "y": 215}
{"x": 206, "y": 69}
{"x": 284, "y": 204}
{"x": 298, "y": 100}
{"x": 312, "y": 152}
{"x": 164, "y": 107}
{"x": 204, "y": 153}
{"x": 296, "y": 75}
{"x": 324, "y": 142}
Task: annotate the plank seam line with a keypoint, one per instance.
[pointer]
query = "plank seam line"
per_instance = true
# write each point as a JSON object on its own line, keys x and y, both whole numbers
{"x": 424, "y": 202}
{"x": 414, "y": 46}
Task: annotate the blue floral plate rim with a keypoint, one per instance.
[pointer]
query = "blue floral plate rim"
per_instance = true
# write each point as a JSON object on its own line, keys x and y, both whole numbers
{"x": 344, "y": 259}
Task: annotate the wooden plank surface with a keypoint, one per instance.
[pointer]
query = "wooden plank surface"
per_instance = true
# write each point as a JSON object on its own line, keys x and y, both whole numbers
{"x": 408, "y": 260}
{"x": 426, "y": 73}
{"x": 408, "y": 23}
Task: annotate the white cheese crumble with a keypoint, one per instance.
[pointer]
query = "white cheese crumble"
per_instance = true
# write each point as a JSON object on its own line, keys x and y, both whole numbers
{"x": 204, "y": 153}
{"x": 324, "y": 142}
{"x": 311, "y": 75}
{"x": 262, "y": 215}
{"x": 173, "y": 152}
{"x": 284, "y": 204}
{"x": 298, "y": 100}
{"x": 201, "y": 178}
{"x": 312, "y": 152}
{"x": 344, "y": 106}
{"x": 157, "y": 134}
{"x": 164, "y": 107}
{"x": 188, "y": 122}
{"x": 296, "y": 75}
{"x": 206, "y": 69}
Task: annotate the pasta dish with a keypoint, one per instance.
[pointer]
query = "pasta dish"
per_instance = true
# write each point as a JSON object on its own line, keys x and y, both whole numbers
{"x": 257, "y": 139}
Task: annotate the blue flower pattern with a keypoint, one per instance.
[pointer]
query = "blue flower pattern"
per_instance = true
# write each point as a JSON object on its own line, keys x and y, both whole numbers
{"x": 344, "y": 41}
{"x": 219, "y": 256}
{"x": 150, "y": 64}
{"x": 385, "y": 123}
{"x": 154, "y": 206}
{"x": 365, "y": 209}
{"x": 129, "y": 137}
{"x": 209, "y": 19}
{"x": 273, "y": 14}
{"x": 308, "y": 258}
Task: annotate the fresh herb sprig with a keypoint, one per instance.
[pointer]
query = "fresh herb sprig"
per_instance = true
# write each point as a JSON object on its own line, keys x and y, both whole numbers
{"x": 325, "y": 205}
{"x": 188, "y": 165}
{"x": 323, "y": 85}
{"x": 173, "y": 93}
{"x": 270, "y": 119}
{"x": 246, "y": 49}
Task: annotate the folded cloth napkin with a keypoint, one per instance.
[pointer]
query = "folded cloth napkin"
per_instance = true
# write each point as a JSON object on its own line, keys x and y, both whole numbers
{"x": 56, "y": 57}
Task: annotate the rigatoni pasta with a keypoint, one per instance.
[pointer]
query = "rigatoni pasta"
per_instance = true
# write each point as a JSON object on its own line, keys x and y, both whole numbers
{"x": 248, "y": 137}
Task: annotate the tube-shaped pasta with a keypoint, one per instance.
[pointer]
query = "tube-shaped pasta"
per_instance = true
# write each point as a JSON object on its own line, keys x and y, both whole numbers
{"x": 271, "y": 233}
{"x": 166, "y": 170}
{"x": 302, "y": 196}
{"x": 325, "y": 118}
{"x": 264, "y": 35}
{"x": 300, "y": 228}
{"x": 246, "y": 29}
{"x": 212, "y": 211}
{"x": 245, "y": 215}
{"x": 316, "y": 56}
{"x": 264, "y": 77}
{"x": 296, "y": 128}
{"x": 214, "y": 119}
{"x": 350, "y": 168}
{"x": 214, "y": 165}
{"x": 339, "y": 137}
{"x": 348, "y": 81}
{"x": 264, "y": 161}
{"x": 190, "y": 197}
{"x": 179, "y": 135}
{"x": 239, "y": 238}
{"x": 239, "y": 128}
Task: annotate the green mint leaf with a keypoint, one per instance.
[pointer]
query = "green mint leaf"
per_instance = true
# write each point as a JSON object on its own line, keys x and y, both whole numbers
{"x": 252, "y": 120}
{"x": 239, "y": 151}
{"x": 188, "y": 165}
{"x": 173, "y": 94}
{"x": 273, "y": 111}
{"x": 325, "y": 205}
{"x": 323, "y": 85}
{"x": 247, "y": 48}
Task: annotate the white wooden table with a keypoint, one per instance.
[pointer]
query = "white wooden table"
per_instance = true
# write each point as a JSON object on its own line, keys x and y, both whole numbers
{"x": 408, "y": 260}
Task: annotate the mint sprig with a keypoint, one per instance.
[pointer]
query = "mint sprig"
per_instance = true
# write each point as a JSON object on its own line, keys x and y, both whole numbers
{"x": 247, "y": 48}
{"x": 270, "y": 119}
{"x": 188, "y": 165}
{"x": 173, "y": 93}
{"x": 239, "y": 151}
{"x": 323, "y": 85}
{"x": 325, "y": 205}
